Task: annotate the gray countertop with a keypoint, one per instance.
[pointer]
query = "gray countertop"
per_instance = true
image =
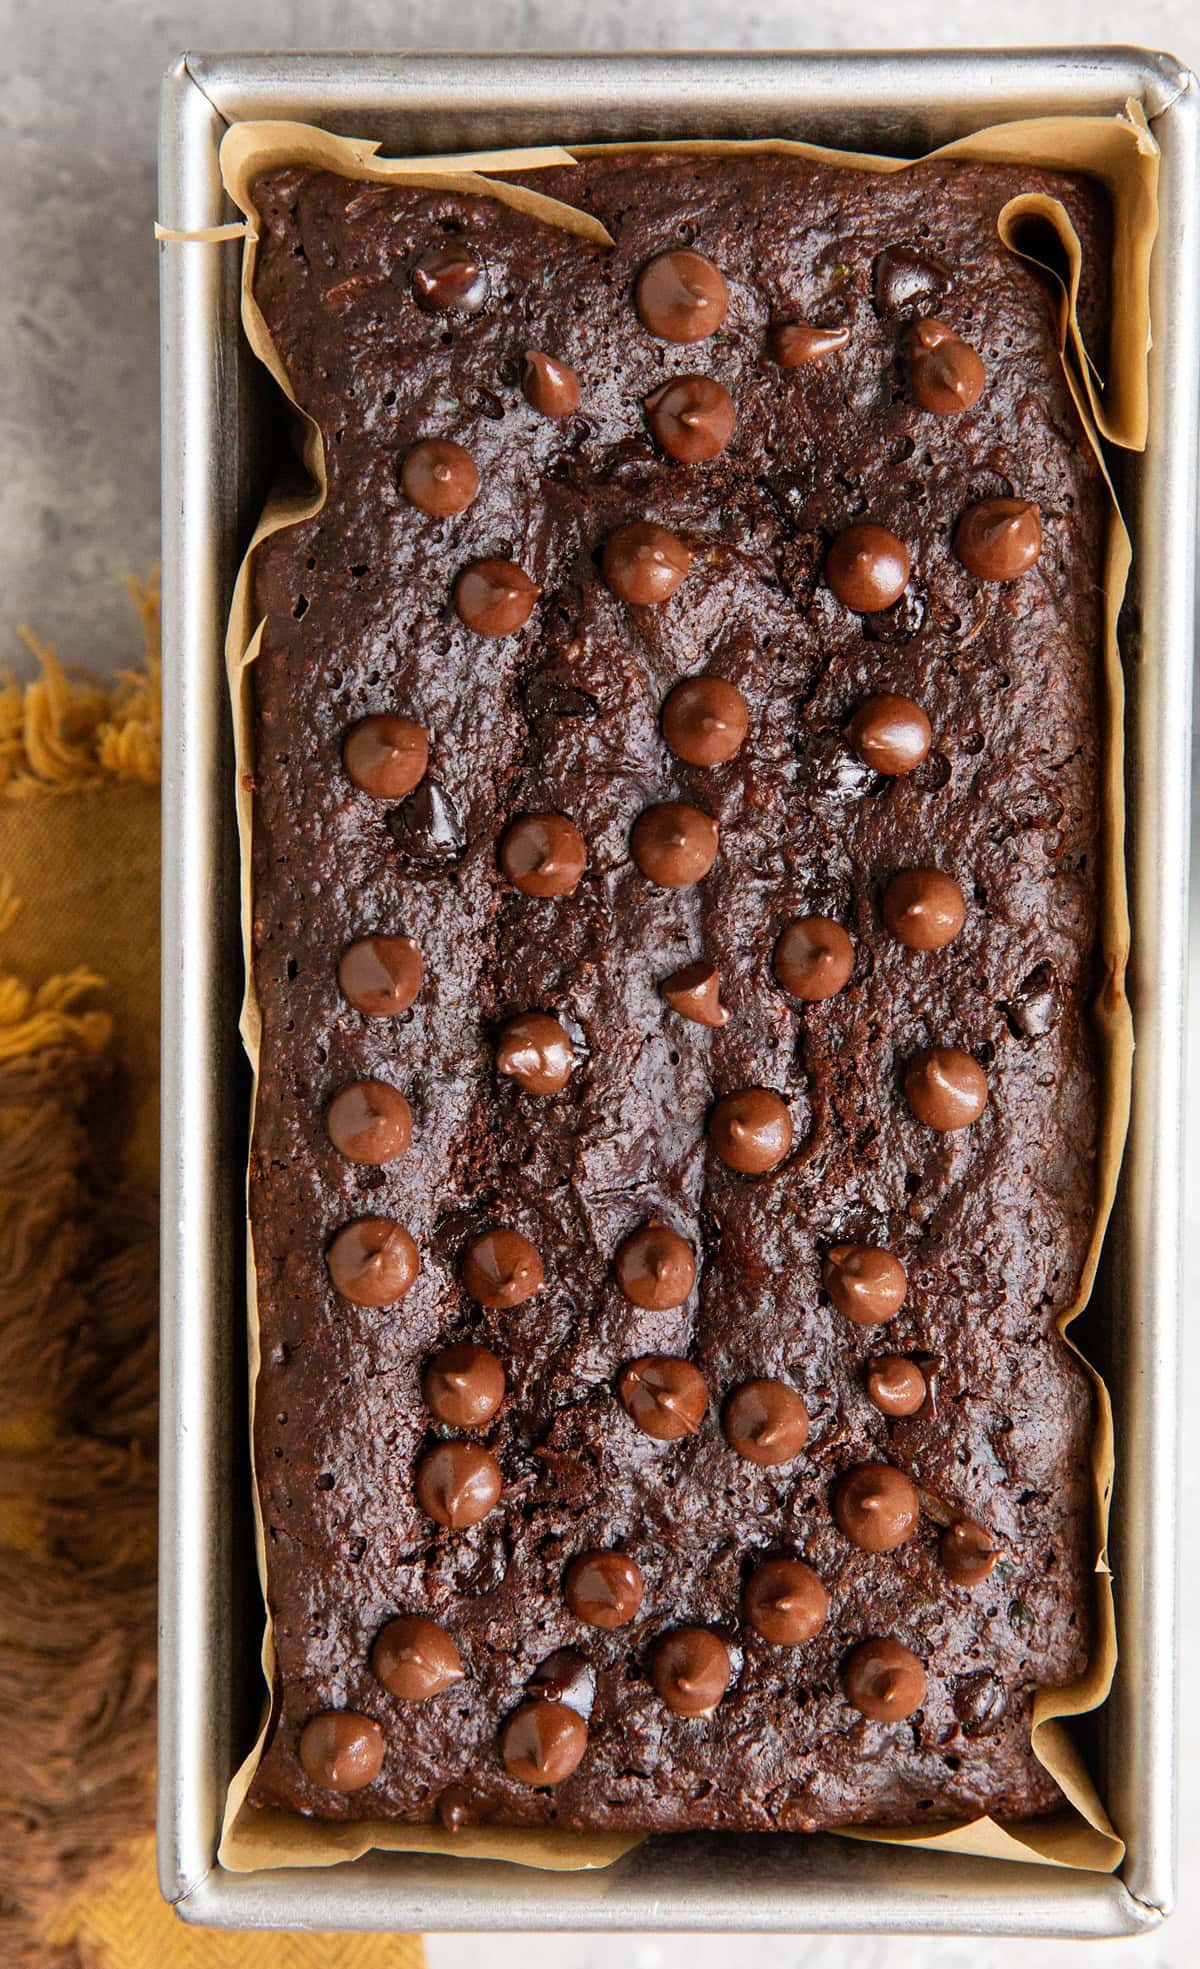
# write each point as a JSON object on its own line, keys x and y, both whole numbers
{"x": 79, "y": 487}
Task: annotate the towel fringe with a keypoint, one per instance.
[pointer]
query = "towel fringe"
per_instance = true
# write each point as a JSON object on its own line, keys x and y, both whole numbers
{"x": 78, "y": 1259}
{"x": 65, "y": 731}
{"x": 78, "y": 1363}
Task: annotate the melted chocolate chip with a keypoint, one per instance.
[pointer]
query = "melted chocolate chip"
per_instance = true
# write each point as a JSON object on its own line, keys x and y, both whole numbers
{"x": 681, "y": 296}
{"x": 933, "y": 773}
{"x": 980, "y": 1703}
{"x": 906, "y": 279}
{"x": 656, "y": 1268}
{"x": 459, "y": 1806}
{"x": 785, "y": 1602}
{"x": 341, "y": 1750}
{"x": 690, "y": 1669}
{"x": 834, "y": 774}
{"x": 463, "y": 1385}
{"x": 1036, "y": 1006}
{"x": 604, "y": 1589}
{"x": 897, "y": 625}
{"x": 414, "y": 1658}
{"x": 884, "y": 1680}
{"x": 666, "y": 1397}
{"x": 543, "y": 1742}
{"x": 766, "y": 1422}
{"x": 502, "y": 1269}
{"x": 692, "y": 417}
{"x": 544, "y": 697}
{"x": 795, "y": 344}
{"x": 458, "y": 1484}
{"x": 427, "y": 826}
{"x": 565, "y": 1676}
{"x": 450, "y": 280}
{"x": 372, "y": 1262}
{"x": 485, "y": 403}
{"x": 549, "y": 384}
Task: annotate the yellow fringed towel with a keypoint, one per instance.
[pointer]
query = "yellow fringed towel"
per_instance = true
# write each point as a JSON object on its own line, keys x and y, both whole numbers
{"x": 79, "y": 866}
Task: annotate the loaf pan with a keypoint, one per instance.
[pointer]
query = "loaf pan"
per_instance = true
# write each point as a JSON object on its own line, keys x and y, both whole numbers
{"x": 215, "y": 462}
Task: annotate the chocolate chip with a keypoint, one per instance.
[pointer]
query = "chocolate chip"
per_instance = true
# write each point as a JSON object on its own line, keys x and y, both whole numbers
{"x": 341, "y": 1750}
{"x": 450, "y": 280}
{"x": 427, "y": 826}
{"x": 980, "y": 1703}
{"x": 999, "y": 539}
{"x": 1036, "y": 1006}
{"x": 544, "y": 697}
{"x": 549, "y": 384}
{"x": 439, "y": 478}
{"x": 691, "y": 1670}
{"x": 889, "y": 733}
{"x": 795, "y": 344}
{"x": 884, "y": 1680}
{"x": 867, "y": 567}
{"x": 906, "y": 280}
{"x": 946, "y": 1088}
{"x": 565, "y": 1676}
{"x": 604, "y": 1589}
{"x": 542, "y": 1742}
{"x": 681, "y": 296}
{"x": 459, "y": 1806}
{"x": 415, "y": 1658}
{"x": 876, "y": 1507}
{"x": 674, "y": 844}
{"x": 947, "y": 374}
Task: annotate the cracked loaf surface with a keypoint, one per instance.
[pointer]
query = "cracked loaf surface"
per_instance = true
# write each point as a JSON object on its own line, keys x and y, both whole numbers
{"x": 677, "y": 1120}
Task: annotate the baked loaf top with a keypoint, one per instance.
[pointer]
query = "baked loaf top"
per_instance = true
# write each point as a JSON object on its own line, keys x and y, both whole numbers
{"x": 675, "y": 835}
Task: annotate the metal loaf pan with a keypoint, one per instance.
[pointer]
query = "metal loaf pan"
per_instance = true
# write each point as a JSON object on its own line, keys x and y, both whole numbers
{"x": 212, "y": 437}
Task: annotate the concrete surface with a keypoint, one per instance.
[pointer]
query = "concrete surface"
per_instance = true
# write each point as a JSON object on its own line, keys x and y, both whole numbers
{"x": 78, "y": 496}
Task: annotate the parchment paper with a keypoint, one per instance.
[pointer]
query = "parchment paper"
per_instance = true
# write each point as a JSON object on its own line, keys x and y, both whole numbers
{"x": 1120, "y": 151}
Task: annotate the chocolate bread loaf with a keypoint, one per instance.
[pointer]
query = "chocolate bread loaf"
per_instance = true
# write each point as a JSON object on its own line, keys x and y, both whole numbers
{"x": 674, "y": 864}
